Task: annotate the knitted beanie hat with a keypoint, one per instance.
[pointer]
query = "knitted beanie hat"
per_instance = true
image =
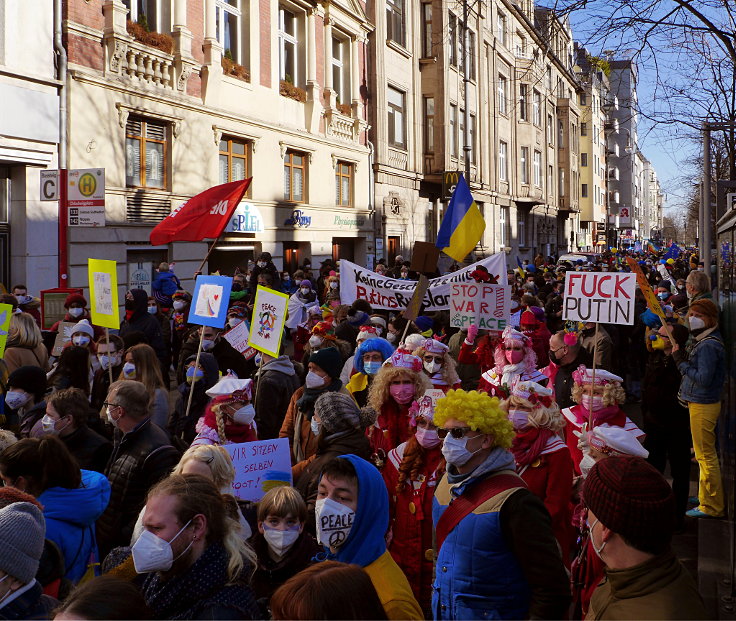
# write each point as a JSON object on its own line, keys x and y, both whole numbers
{"x": 706, "y": 308}
{"x": 22, "y": 532}
{"x": 77, "y": 298}
{"x": 83, "y": 327}
{"x": 329, "y": 360}
{"x": 30, "y": 378}
{"x": 629, "y": 496}
{"x": 339, "y": 412}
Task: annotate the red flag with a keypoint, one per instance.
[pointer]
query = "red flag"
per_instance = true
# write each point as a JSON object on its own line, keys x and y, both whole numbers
{"x": 202, "y": 216}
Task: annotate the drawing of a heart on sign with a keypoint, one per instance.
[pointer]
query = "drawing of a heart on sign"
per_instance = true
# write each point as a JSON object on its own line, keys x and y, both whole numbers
{"x": 209, "y": 300}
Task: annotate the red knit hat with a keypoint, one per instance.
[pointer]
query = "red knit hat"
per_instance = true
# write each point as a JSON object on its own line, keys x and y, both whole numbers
{"x": 73, "y": 298}
{"x": 629, "y": 496}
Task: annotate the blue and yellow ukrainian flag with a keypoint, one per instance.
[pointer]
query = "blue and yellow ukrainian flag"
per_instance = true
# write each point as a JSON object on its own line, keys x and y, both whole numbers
{"x": 462, "y": 226}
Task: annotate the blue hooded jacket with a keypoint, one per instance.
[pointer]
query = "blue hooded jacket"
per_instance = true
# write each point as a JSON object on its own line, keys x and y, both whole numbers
{"x": 366, "y": 541}
{"x": 70, "y": 520}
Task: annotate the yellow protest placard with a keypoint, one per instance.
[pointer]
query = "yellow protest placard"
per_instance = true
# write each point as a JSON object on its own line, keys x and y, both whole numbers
{"x": 103, "y": 290}
{"x": 651, "y": 299}
{"x": 6, "y": 312}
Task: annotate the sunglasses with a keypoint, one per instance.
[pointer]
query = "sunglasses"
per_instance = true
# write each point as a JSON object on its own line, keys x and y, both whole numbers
{"x": 433, "y": 359}
{"x": 457, "y": 433}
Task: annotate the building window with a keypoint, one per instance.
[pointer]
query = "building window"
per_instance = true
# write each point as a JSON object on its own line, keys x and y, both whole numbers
{"x": 154, "y": 15}
{"x": 583, "y": 129}
{"x": 234, "y": 160}
{"x": 583, "y": 99}
{"x": 560, "y": 134}
{"x": 471, "y": 131}
{"x": 145, "y": 153}
{"x": 583, "y": 159}
{"x": 550, "y": 131}
{"x": 229, "y": 29}
{"x": 453, "y": 130}
{"x": 537, "y": 108}
{"x": 504, "y": 225}
{"x": 584, "y": 190}
{"x": 395, "y": 21}
{"x": 461, "y": 134}
{"x": 524, "y": 164}
{"x": 562, "y": 181}
{"x": 429, "y": 124}
{"x": 340, "y": 65}
{"x": 537, "y": 169}
{"x": 522, "y": 216}
{"x": 295, "y": 172}
{"x": 396, "y": 118}
{"x": 550, "y": 173}
{"x": 521, "y": 46}
{"x": 503, "y": 173}
{"x": 452, "y": 36}
{"x": 344, "y": 184}
{"x": 427, "y": 30}
{"x": 523, "y": 102}
{"x": 288, "y": 43}
{"x": 502, "y": 83}
{"x": 501, "y": 33}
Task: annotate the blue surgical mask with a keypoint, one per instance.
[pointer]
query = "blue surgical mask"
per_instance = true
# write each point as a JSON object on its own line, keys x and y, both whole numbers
{"x": 662, "y": 296}
{"x": 372, "y": 367}
{"x": 455, "y": 450}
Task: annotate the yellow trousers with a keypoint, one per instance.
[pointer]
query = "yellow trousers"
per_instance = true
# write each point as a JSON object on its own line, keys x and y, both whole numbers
{"x": 703, "y": 419}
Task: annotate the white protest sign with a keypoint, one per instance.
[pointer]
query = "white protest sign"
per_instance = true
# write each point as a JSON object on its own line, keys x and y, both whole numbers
{"x": 259, "y": 467}
{"x": 599, "y": 297}
{"x": 481, "y": 304}
{"x": 358, "y": 283}
{"x": 238, "y": 338}
{"x": 267, "y": 323}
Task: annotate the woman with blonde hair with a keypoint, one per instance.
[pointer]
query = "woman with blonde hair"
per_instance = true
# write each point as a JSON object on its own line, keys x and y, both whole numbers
{"x": 25, "y": 344}
{"x": 229, "y": 417}
{"x": 542, "y": 457}
{"x": 142, "y": 365}
{"x": 399, "y": 381}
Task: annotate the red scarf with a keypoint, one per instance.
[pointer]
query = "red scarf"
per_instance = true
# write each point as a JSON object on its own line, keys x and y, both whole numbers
{"x": 611, "y": 415}
{"x": 234, "y": 432}
{"x": 529, "y": 443}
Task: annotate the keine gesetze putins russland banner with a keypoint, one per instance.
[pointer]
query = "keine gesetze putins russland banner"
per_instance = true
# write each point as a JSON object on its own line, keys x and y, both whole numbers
{"x": 359, "y": 283}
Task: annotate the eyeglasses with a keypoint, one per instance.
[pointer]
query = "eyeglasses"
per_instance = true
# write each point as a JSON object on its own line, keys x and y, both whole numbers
{"x": 111, "y": 405}
{"x": 457, "y": 432}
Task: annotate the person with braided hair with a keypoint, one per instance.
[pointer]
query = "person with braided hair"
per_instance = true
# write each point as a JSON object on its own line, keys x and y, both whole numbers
{"x": 411, "y": 474}
{"x": 229, "y": 417}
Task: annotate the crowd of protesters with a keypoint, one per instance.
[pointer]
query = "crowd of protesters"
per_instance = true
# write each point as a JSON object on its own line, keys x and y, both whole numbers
{"x": 436, "y": 473}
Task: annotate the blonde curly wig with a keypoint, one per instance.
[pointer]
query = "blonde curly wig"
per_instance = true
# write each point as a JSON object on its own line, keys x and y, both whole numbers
{"x": 539, "y": 416}
{"x": 379, "y": 394}
{"x": 613, "y": 394}
{"x": 479, "y": 411}
{"x": 449, "y": 366}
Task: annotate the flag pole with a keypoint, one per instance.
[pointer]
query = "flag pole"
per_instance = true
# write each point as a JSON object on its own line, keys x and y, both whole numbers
{"x": 209, "y": 252}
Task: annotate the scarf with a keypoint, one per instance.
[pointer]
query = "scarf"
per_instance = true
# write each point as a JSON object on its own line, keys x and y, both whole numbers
{"x": 511, "y": 371}
{"x": 611, "y": 415}
{"x": 528, "y": 443}
{"x": 201, "y": 585}
{"x": 234, "y": 432}
{"x": 305, "y": 403}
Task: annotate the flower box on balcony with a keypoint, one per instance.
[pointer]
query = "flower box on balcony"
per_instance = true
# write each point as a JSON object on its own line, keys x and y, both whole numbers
{"x": 231, "y": 68}
{"x": 287, "y": 89}
{"x": 345, "y": 109}
{"x": 158, "y": 40}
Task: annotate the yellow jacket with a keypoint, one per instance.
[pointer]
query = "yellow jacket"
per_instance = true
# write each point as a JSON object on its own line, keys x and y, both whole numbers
{"x": 393, "y": 589}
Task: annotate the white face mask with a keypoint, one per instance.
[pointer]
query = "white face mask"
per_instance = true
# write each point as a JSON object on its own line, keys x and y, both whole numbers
{"x": 313, "y": 380}
{"x": 280, "y": 540}
{"x": 305, "y": 291}
{"x": 48, "y": 425}
{"x": 234, "y": 321}
{"x": 432, "y": 367}
{"x": 81, "y": 339}
{"x": 333, "y": 285}
{"x": 391, "y": 337}
{"x": 151, "y": 553}
{"x": 427, "y": 438}
{"x": 315, "y": 426}
{"x": 696, "y": 323}
{"x": 153, "y": 310}
{"x": 262, "y": 264}
{"x": 597, "y": 402}
{"x": 207, "y": 344}
{"x": 245, "y": 415}
{"x": 15, "y": 399}
{"x": 598, "y": 551}
{"x": 455, "y": 451}
{"x": 179, "y": 304}
{"x": 129, "y": 370}
{"x": 334, "y": 522}
{"x": 110, "y": 419}
{"x": 315, "y": 341}
{"x": 76, "y": 312}
{"x": 107, "y": 361}
{"x": 586, "y": 463}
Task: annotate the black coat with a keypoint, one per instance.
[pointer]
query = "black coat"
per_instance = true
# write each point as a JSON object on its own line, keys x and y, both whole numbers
{"x": 659, "y": 404}
{"x": 142, "y": 321}
{"x": 274, "y": 388}
{"x": 32, "y": 604}
{"x": 89, "y": 448}
{"x": 140, "y": 459}
{"x": 226, "y": 355}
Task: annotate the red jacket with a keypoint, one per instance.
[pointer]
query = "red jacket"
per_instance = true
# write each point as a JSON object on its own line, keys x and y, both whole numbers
{"x": 391, "y": 427}
{"x": 550, "y": 478}
{"x": 540, "y": 343}
{"x": 410, "y": 520}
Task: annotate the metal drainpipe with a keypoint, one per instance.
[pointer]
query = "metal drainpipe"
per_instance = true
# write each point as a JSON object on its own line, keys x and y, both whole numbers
{"x": 372, "y": 199}
{"x": 61, "y": 76}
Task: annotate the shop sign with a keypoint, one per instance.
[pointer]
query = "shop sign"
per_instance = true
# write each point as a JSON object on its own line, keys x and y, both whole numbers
{"x": 140, "y": 275}
{"x": 246, "y": 219}
{"x": 350, "y": 221}
{"x": 299, "y": 219}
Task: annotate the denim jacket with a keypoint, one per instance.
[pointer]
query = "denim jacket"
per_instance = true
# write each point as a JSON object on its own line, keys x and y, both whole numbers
{"x": 704, "y": 373}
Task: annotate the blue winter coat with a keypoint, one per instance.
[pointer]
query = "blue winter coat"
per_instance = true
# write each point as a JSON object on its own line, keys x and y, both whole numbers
{"x": 704, "y": 371}
{"x": 70, "y": 520}
{"x": 477, "y": 575}
{"x": 166, "y": 283}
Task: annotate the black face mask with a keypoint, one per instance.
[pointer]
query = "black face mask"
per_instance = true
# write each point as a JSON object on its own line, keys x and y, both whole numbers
{"x": 553, "y": 357}
{"x": 130, "y": 305}
{"x": 237, "y": 286}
